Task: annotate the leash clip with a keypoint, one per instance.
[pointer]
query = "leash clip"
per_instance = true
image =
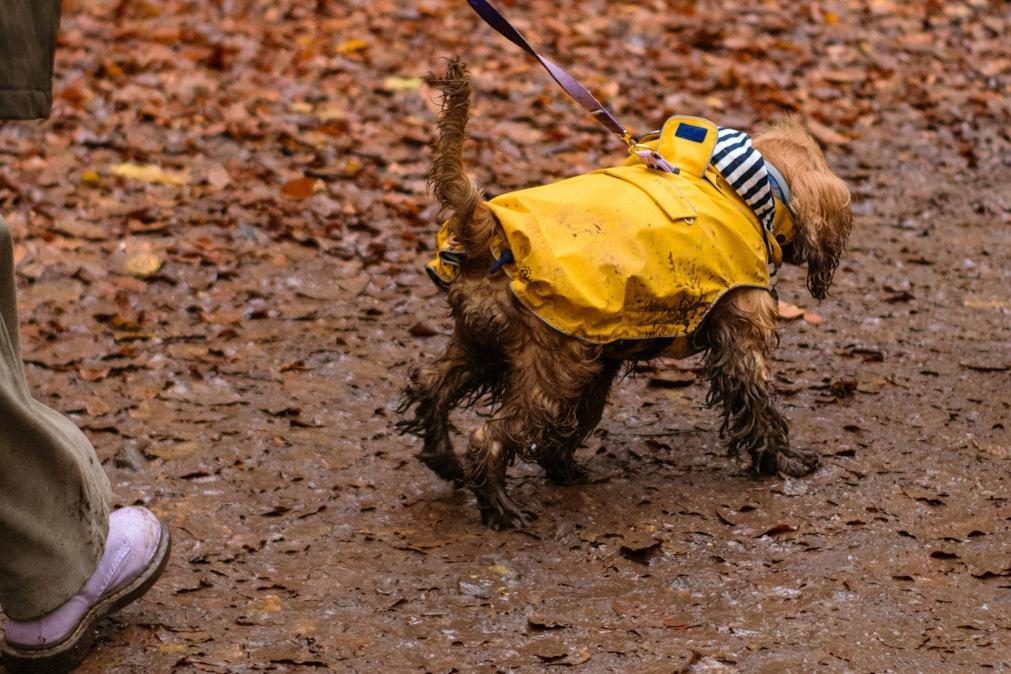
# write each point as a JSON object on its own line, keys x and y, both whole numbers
{"x": 652, "y": 158}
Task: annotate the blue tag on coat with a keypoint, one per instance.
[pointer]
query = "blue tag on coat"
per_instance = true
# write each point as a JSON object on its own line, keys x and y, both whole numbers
{"x": 696, "y": 134}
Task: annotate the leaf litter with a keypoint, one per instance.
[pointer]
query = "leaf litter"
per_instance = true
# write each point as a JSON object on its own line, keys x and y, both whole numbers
{"x": 219, "y": 242}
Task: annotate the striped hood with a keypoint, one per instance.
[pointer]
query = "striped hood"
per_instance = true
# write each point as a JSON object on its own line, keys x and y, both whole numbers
{"x": 744, "y": 169}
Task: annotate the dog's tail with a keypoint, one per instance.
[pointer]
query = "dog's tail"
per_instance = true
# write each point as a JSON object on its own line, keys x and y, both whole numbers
{"x": 461, "y": 200}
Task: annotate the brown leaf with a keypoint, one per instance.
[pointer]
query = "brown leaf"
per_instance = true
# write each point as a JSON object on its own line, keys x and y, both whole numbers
{"x": 542, "y": 621}
{"x": 998, "y": 366}
{"x": 299, "y": 188}
{"x": 93, "y": 374}
{"x": 870, "y": 385}
{"x": 142, "y": 265}
{"x": 845, "y": 75}
{"x": 352, "y": 46}
{"x": 789, "y": 311}
{"x": 422, "y": 329}
{"x": 782, "y": 528}
{"x": 924, "y": 495}
{"x": 218, "y": 177}
{"x": 78, "y": 228}
{"x": 943, "y": 554}
{"x": 902, "y": 296}
{"x": 676, "y": 379}
{"x": 639, "y": 547}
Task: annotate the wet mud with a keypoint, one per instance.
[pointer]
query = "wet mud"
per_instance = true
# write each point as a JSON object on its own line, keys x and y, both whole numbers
{"x": 234, "y": 345}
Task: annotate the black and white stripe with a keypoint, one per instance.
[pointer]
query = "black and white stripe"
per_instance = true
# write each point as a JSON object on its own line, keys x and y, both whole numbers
{"x": 742, "y": 166}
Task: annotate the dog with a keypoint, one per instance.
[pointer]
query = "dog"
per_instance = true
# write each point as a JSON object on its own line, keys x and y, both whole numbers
{"x": 546, "y": 364}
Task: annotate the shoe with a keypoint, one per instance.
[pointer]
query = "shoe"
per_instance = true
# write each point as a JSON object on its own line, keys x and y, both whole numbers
{"x": 136, "y": 552}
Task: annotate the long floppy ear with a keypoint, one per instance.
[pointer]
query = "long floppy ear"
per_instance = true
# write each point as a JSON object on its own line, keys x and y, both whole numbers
{"x": 820, "y": 200}
{"x": 822, "y": 203}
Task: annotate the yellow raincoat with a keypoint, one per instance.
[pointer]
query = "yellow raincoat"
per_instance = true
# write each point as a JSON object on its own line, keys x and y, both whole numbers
{"x": 630, "y": 252}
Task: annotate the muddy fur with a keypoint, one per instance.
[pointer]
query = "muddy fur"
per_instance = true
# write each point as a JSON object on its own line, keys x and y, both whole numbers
{"x": 547, "y": 390}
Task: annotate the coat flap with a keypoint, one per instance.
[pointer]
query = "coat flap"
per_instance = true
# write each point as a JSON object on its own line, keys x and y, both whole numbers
{"x": 688, "y": 142}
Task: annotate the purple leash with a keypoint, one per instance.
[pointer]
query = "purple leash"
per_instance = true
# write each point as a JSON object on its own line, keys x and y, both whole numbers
{"x": 577, "y": 91}
{"x": 566, "y": 81}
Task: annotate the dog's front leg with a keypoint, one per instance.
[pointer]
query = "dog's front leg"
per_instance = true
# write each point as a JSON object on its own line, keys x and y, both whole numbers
{"x": 492, "y": 448}
{"x": 741, "y": 335}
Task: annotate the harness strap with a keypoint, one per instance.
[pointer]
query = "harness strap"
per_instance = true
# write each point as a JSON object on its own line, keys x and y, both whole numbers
{"x": 566, "y": 81}
{"x": 781, "y": 188}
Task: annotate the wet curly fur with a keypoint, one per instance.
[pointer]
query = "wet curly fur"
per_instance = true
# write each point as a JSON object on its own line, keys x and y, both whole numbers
{"x": 548, "y": 390}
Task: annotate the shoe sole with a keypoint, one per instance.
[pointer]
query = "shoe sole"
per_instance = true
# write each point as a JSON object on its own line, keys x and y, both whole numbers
{"x": 69, "y": 653}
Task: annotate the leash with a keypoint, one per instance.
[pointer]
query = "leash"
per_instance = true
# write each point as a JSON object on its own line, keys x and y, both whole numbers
{"x": 573, "y": 88}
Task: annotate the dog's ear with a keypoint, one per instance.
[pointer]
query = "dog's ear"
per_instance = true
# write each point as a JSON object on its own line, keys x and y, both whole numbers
{"x": 821, "y": 202}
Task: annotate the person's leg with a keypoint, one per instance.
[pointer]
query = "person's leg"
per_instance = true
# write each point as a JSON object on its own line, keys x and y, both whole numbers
{"x": 65, "y": 561}
{"x": 54, "y": 496}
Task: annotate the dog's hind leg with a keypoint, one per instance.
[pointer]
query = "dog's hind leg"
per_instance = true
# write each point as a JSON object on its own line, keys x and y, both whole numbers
{"x": 548, "y": 379}
{"x": 434, "y": 391}
{"x": 557, "y": 461}
{"x": 492, "y": 449}
{"x": 741, "y": 335}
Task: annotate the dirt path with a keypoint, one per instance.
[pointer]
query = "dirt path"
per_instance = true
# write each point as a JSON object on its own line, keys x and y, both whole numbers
{"x": 232, "y": 331}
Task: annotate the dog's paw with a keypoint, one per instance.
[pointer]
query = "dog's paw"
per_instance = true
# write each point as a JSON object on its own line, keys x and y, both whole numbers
{"x": 565, "y": 473}
{"x": 446, "y": 466}
{"x": 510, "y": 519}
{"x": 788, "y": 461}
{"x": 501, "y": 512}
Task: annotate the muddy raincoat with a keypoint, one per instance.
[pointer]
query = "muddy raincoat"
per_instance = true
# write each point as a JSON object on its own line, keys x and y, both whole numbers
{"x": 629, "y": 252}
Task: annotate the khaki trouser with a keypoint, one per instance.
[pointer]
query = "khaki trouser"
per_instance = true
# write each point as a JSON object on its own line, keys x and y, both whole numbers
{"x": 54, "y": 496}
{"x": 27, "y": 43}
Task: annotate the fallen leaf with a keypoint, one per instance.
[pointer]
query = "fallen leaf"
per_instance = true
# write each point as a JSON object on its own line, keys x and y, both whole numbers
{"x": 987, "y": 367}
{"x": 540, "y": 621}
{"x": 173, "y": 648}
{"x": 675, "y": 379}
{"x": 422, "y": 329}
{"x": 352, "y": 46}
{"x": 300, "y": 188}
{"x": 353, "y": 167}
{"x": 979, "y": 303}
{"x": 902, "y": 296}
{"x": 943, "y": 554}
{"x": 783, "y": 528}
{"x": 639, "y": 547}
{"x": 142, "y": 265}
{"x": 924, "y": 495}
{"x": 218, "y": 177}
{"x": 149, "y": 173}
{"x": 93, "y": 374}
{"x": 79, "y": 228}
{"x": 395, "y": 83}
{"x": 174, "y": 452}
{"x": 270, "y": 603}
{"x": 789, "y": 311}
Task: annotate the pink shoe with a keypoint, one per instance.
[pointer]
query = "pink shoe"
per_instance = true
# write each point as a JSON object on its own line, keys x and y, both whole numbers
{"x": 136, "y": 553}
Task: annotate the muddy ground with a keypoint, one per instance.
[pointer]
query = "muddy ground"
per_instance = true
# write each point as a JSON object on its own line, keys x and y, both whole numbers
{"x": 220, "y": 240}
